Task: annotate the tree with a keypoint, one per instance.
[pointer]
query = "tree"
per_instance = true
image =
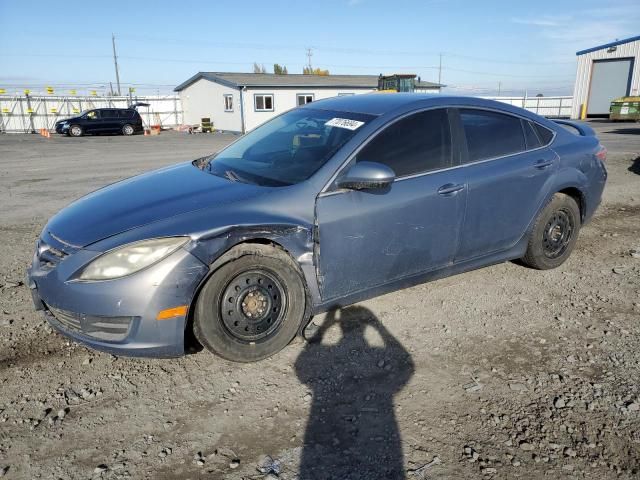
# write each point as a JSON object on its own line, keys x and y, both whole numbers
{"x": 258, "y": 68}
{"x": 314, "y": 71}
{"x": 279, "y": 70}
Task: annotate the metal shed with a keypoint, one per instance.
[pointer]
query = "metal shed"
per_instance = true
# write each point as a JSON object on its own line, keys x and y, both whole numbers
{"x": 606, "y": 72}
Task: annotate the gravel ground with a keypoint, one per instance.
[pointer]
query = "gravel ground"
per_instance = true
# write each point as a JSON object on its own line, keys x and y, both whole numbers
{"x": 504, "y": 372}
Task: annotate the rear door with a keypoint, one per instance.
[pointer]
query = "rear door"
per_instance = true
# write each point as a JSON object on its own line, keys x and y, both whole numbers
{"x": 507, "y": 168}
{"x": 369, "y": 238}
{"x": 111, "y": 121}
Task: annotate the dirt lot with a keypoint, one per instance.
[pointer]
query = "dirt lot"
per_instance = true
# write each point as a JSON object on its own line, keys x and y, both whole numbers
{"x": 504, "y": 372}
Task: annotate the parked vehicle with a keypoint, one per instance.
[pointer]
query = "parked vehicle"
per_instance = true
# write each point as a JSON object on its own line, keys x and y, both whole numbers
{"x": 326, "y": 205}
{"x": 126, "y": 121}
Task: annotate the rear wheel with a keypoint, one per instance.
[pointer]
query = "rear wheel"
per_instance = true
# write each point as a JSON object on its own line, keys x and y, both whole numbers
{"x": 127, "y": 130}
{"x": 252, "y": 306}
{"x": 75, "y": 131}
{"x": 554, "y": 234}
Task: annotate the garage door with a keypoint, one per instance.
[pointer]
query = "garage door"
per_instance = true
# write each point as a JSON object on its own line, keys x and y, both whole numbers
{"x": 610, "y": 79}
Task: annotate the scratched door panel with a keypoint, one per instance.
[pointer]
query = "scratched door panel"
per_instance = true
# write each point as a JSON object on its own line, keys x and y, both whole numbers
{"x": 369, "y": 238}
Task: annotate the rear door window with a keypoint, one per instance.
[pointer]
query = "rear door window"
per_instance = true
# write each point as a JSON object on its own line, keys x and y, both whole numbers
{"x": 109, "y": 113}
{"x": 544, "y": 133}
{"x": 491, "y": 134}
{"x": 418, "y": 143}
{"x": 530, "y": 135}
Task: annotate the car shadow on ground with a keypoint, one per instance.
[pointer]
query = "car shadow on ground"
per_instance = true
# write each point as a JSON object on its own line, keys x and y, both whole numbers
{"x": 352, "y": 431}
{"x": 635, "y": 166}
{"x": 626, "y": 131}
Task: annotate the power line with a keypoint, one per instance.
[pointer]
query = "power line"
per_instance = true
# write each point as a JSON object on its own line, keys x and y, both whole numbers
{"x": 361, "y": 67}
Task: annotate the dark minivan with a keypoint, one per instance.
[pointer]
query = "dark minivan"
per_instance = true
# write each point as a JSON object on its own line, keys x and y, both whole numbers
{"x": 126, "y": 121}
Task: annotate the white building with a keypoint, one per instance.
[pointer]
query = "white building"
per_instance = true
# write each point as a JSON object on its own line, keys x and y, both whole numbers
{"x": 239, "y": 102}
{"x": 606, "y": 72}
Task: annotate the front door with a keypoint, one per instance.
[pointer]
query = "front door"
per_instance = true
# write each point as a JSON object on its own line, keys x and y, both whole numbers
{"x": 368, "y": 238}
{"x": 92, "y": 123}
{"x": 507, "y": 171}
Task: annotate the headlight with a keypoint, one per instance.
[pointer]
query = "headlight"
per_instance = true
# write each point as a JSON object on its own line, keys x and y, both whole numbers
{"x": 131, "y": 258}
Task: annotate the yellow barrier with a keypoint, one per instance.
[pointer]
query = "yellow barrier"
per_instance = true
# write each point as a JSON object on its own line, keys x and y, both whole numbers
{"x": 583, "y": 111}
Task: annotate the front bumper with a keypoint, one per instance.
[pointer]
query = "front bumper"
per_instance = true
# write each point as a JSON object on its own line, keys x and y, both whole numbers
{"x": 117, "y": 316}
{"x": 62, "y": 129}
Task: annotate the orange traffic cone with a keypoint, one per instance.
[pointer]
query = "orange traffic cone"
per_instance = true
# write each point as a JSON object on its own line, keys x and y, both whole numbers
{"x": 47, "y": 133}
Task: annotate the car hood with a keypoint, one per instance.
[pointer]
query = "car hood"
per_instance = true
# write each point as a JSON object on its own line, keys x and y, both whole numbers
{"x": 70, "y": 119}
{"x": 145, "y": 199}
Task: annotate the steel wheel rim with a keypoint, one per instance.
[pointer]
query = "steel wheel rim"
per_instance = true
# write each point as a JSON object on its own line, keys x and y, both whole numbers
{"x": 557, "y": 234}
{"x": 128, "y": 130}
{"x": 252, "y": 305}
{"x": 75, "y": 131}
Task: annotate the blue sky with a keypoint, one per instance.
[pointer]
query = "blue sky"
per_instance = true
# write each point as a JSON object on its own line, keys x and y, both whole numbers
{"x": 517, "y": 45}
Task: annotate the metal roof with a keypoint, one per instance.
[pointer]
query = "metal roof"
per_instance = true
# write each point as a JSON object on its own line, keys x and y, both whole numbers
{"x": 378, "y": 103}
{"x": 607, "y": 45}
{"x": 237, "y": 80}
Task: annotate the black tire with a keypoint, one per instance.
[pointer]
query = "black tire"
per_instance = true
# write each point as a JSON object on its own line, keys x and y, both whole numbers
{"x": 76, "y": 131}
{"x": 554, "y": 234}
{"x": 128, "y": 129}
{"x": 252, "y": 306}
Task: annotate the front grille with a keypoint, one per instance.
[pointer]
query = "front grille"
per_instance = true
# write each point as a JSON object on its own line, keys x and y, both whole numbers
{"x": 112, "y": 329}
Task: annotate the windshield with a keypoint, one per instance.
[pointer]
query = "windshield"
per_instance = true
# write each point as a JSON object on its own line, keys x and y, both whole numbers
{"x": 288, "y": 149}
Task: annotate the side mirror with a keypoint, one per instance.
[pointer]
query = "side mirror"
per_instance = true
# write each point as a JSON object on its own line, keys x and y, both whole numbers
{"x": 367, "y": 175}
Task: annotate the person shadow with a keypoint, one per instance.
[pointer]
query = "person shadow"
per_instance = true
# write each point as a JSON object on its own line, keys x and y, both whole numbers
{"x": 352, "y": 432}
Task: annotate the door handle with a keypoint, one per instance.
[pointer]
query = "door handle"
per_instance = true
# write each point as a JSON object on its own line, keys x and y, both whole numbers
{"x": 450, "y": 188}
{"x": 543, "y": 164}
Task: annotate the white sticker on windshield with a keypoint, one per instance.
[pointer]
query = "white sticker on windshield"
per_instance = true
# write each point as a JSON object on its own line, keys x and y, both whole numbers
{"x": 344, "y": 123}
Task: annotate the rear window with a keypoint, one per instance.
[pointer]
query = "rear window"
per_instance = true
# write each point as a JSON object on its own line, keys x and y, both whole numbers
{"x": 544, "y": 133}
{"x": 125, "y": 113}
{"x": 491, "y": 134}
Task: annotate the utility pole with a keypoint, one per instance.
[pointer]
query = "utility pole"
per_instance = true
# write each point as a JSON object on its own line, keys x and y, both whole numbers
{"x": 309, "y": 55}
{"x": 499, "y": 87}
{"x": 440, "y": 71}
{"x": 115, "y": 62}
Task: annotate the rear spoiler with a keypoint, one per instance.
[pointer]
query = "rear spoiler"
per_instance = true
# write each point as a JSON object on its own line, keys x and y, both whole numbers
{"x": 582, "y": 128}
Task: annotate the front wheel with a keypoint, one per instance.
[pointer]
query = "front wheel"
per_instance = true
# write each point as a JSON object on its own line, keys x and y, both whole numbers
{"x": 554, "y": 234}
{"x": 75, "y": 131}
{"x": 127, "y": 130}
{"x": 251, "y": 307}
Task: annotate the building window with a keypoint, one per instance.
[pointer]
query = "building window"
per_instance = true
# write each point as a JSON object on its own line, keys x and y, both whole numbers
{"x": 263, "y": 103}
{"x": 304, "y": 98}
{"x": 228, "y": 103}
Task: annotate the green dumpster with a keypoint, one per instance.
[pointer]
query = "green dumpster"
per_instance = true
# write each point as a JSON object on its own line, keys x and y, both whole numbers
{"x": 625, "y": 108}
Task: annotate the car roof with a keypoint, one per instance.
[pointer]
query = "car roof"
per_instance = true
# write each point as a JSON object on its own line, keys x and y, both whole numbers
{"x": 382, "y": 103}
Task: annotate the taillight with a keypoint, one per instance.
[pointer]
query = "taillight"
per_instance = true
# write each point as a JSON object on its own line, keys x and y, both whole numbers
{"x": 601, "y": 154}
